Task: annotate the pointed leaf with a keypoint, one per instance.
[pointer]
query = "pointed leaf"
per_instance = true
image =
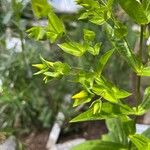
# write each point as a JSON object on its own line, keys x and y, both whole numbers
{"x": 108, "y": 91}
{"x": 38, "y": 33}
{"x": 55, "y": 28}
{"x": 145, "y": 71}
{"x": 94, "y": 50}
{"x": 103, "y": 60}
{"x": 73, "y": 48}
{"x": 99, "y": 145}
{"x": 108, "y": 110}
{"x": 52, "y": 69}
{"x": 81, "y": 98}
{"x": 145, "y": 105}
{"x": 146, "y": 6}
{"x": 80, "y": 95}
{"x": 95, "y": 12}
{"x": 120, "y": 31}
{"x": 123, "y": 48}
{"x": 89, "y": 35}
{"x": 41, "y": 8}
{"x": 88, "y": 4}
{"x": 135, "y": 10}
{"x": 140, "y": 141}
{"x": 39, "y": 66}
{"x": 97, "y": 106}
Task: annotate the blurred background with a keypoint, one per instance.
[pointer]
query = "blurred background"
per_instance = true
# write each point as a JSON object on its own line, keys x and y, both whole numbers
{"x": 28, "y": 106}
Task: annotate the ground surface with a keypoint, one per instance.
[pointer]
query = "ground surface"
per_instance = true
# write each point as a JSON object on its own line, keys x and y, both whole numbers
{"x": 88, "y": 130}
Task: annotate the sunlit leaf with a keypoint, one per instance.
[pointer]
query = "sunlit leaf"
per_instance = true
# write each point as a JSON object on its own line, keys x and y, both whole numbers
{"x": 89, "y": 35}
{"x": 38, "y": 33}
{"x": 99, "y": 145}
{"x": 103, "y": 60}
{"x": 108, "y": 110}
{"x": 125, "y": 51}
{"x": 140, "y": 141}
{"x": 97, "y": 106}
{"x": 52, "y": 70}
{"x": 86, "y": 79}
{"x": 88, "y": 4}
{"x": 145, "y": 71}
{"x": 135, "y": 10}
{"x": 41, "y": 8}
{"x": 73, "y": 48}
{"x": 108, "y": 91}
{"x": 81, "y": 98}
{"x": 94, "y": 11}
{"x": 55, "y": 28}
{"x": 146, "y": 6}
{"x": 120, "y": 30}
{"x": 145, "y": 105}
{"x": 94, "y": 50}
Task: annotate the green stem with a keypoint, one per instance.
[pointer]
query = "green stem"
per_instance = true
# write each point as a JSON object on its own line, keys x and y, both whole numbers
{"x": 138, "y": 85}
{"x": 130, "y": 145}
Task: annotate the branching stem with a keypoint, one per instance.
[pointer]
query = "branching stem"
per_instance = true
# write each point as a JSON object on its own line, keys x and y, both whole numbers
{"x": 138, "y": 84}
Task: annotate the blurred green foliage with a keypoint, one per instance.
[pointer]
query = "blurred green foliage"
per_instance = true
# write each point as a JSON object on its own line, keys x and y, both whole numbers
{"x": 25, "y": 101}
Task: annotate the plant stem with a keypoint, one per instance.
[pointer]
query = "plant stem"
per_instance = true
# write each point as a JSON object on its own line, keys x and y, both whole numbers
{"x": 138, "y": 85}
{"x": 130, "y": 145}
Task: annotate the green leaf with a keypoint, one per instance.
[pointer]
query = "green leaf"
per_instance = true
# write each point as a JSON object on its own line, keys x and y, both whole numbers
{"x": 41, "y": 8}
{"x": 61, "y": 68}
{"x": 99, "y": 145}
{"x": 145, "y": 105}
{"x": 135, "y": 10}
{"x": 51, "y": 75}
{"x": 146, "y": 133}
{"x": 145, "y": 71}
{"x": 55, "y": 28}
{"x": 86, "y": 79}
{"x": 89, "y": 35}
{"x": 88, "y": 4}
{"x": 97, "y": 106}
{"x": 123, "y": 48}
{"x": 38, "y": 33}
{"x": 129, "y": 56}
{"x": 119, "y": 129}
{"x": 73, "y": 48}
{"x": 84, "y": 15}
{"x": 120, "y": 30}
{"x": 39, "y": 66}
{"x": 140, "y": 141}
{"x": 52, "y": 69}
{"x": 103, "y": 60}
{"x": 43, "y": 67}
{"x": 94, "y": 50}
{"x": 108, "y": 91}
{"x": 108, "y": 110}
{"x": 81, "y": 98}
{"x": 146, "y": 6}
{"x": 100, "y": 15}
{"x": 95, "y": 12}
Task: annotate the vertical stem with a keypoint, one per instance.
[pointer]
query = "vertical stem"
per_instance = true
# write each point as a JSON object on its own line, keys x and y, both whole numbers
{"x": 130, "y": 145}
{"x": 138, "y": 85}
